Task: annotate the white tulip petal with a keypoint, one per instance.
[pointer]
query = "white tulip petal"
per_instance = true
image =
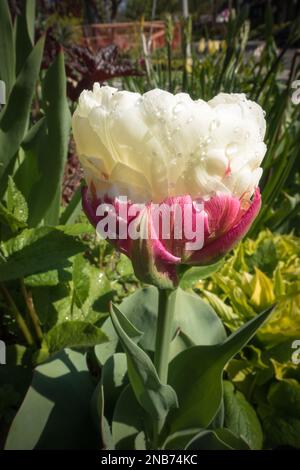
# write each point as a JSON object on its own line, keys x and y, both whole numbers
{"x": 158, "y": 144}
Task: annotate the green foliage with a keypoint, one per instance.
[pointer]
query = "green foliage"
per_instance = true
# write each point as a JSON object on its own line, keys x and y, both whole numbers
{"x": 56, "y": 407}
{"x": 57, "y": 280}
{"x": 261, "y": 273}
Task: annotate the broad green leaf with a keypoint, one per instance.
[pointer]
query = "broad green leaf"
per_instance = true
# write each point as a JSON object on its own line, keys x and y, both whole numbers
{"x": 280, "y": 428}
{"x": 51, "y": 161}
{"x": 16, "y": 203}
{"x": 196, "y": 376}
{"x": 15, "y": 214}
{"x": 12, "y": 130}
{"x": 124, "y": 266}
{"x": 8, "y": 219}
{"x": 285, "y": 397}
{"x": 156, "y": 398}
{"x": 53, "y": 304}
{"x": 240, "y": 417}
{"x": 37, "y": 250}
{"x": 128, "y": 420}
{"x": 76, "y": 229}
{"x": 55, "y": 413}
{"x": 193, "y": 275}
{"x": 49, "y": 278}
{"x": 81, "y": 280}
{"x": 73, "y": 334}
{"x": 218, "y": 439}
{"x": 7, "y": 63}
{"x": 180, "y": 439}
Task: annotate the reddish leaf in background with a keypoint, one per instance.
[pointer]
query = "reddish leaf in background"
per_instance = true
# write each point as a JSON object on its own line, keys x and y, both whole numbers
{"x": 85, "y": 66}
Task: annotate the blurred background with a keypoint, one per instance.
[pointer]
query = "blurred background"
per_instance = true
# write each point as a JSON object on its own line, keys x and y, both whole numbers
{"x": 56, "y": 278}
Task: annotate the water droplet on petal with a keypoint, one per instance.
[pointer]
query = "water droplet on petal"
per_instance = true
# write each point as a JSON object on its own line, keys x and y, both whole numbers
{"x": 231, "y": 149}
{"x": 190, "y": 119}
{"x": 178, "y": 108}
{"x": 215, "y": 123}
{"x": 237, "y": 130}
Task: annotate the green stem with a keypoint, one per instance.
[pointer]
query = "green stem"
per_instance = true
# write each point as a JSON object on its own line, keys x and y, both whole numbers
{"x": 31, "y": 311}
{"x": 162, "y": 348}
{"x": 163, "y": 336}
{"x": 18, "y": 317}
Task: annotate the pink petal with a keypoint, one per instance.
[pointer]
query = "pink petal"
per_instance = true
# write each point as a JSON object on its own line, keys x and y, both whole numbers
{"x": 220, "y": 246}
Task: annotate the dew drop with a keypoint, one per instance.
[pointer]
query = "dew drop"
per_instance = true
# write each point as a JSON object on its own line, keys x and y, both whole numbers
{"x": 190, "y": 119}
{"x": 178, "y": 108}
{"x": 231, "y": 149}
{"x": 237, "y": 130}
{"x": 215, "y": 123}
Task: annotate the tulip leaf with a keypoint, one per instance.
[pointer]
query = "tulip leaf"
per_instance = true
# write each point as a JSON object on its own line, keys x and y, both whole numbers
{"x": 12, "y": 130}
{"x": 140, "y": 309}
{"x": 196, "y": 376}
{"x": 101, "y": 423}
{"x": 218, "y": 439}
{"x": 114, "y": 379}
{"x": 156, "y": 398}
{"x": 193, "y": 275}
{"x": 195, "y": 322}
{"x": 7, "y": 63}
{"x": 53, "y": 152}
{"x": 36, "y": 250}
{"x": 24, "y": 33}
{"x": 56, "y": 410}
{"x": 128, "y": 421}
{"x": 73, "y": 209}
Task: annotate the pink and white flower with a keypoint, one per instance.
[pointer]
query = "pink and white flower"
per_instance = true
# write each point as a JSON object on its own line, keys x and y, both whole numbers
{"x": 164, "y": 148}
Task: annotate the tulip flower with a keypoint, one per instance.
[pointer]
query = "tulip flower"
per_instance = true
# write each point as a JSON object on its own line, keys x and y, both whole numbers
{"x": 159, "y": 149}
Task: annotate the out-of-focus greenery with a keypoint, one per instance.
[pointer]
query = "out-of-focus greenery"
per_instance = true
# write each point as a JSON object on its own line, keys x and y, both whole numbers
{"x": 259, "y": 274}
{"x": 57, "y": 279}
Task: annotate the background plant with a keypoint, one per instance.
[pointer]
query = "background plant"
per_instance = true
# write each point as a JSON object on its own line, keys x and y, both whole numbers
{"x": 57, "y": 280}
